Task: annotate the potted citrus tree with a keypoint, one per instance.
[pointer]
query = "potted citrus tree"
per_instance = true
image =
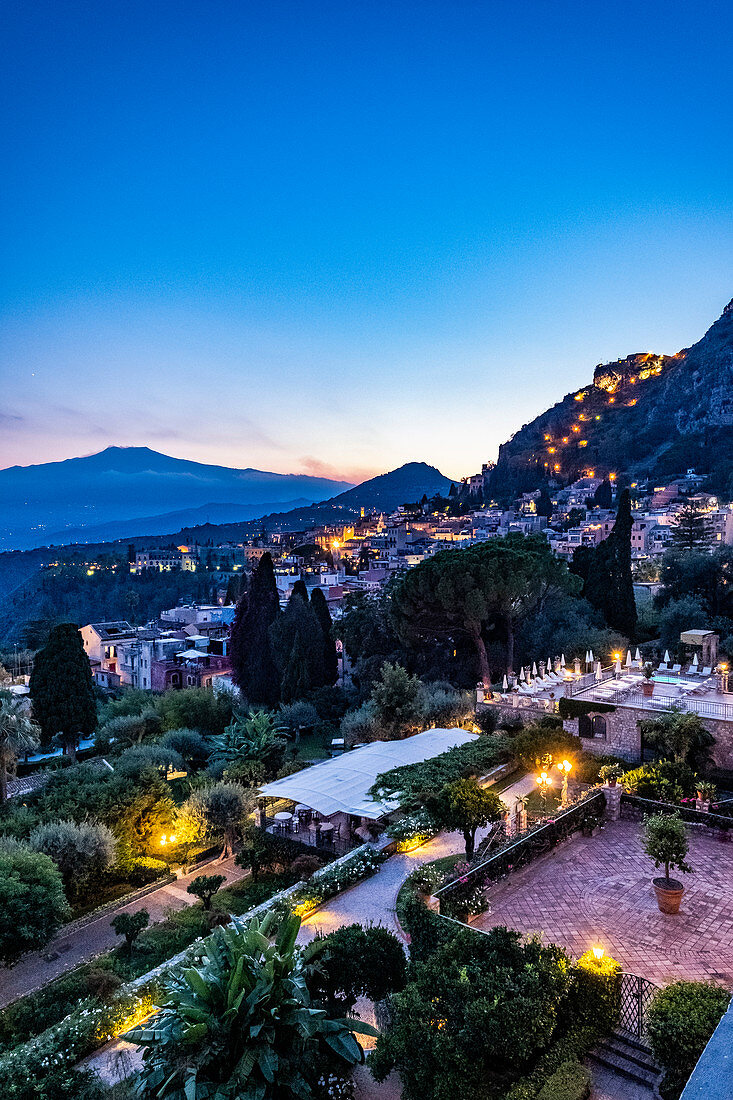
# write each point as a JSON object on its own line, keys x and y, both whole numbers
{"x": 647, "y": 684}
{"x": 665, "y": 841}
{"x": 610, "y": 773}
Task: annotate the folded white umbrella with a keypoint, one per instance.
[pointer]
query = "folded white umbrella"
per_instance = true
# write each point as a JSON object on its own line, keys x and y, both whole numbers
{"x": 637, "y": 655}
{"x": 562, "y": 660}
{"x": 505, "y": 683}
{"x": 666, "y": 656}
{"x": 534, "y": 669}
{"x": 591, "y": 658}
{"x": 628, "y": 658}
{"x": 694, "y": 661}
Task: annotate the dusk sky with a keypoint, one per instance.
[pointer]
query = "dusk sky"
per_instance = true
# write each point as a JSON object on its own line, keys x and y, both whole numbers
{"x": 336, "y": 237}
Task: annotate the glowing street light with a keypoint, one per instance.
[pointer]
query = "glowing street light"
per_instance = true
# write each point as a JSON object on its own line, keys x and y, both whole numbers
{"x": 544, "y": 782}
{"x": 598, "y": 952}
{"x": 565, "y": 767}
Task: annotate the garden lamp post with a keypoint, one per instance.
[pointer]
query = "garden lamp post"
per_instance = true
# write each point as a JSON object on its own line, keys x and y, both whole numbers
{"x": 544, "y": 782}
{"x": 565, "y": 767}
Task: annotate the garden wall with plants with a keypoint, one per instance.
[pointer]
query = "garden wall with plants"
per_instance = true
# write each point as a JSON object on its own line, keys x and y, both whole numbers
{"x": 26, "y": 1067}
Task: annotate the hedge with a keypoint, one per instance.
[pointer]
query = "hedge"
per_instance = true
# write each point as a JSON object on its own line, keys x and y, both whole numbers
{"x": 681, "y": 1019}
{"x": 410, "y": 780}
{"x": 575, "y": 708}
{"x": 570, "y": 1082}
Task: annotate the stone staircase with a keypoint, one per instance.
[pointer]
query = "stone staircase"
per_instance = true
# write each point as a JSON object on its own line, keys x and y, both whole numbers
{"x": 629, "y": 1058}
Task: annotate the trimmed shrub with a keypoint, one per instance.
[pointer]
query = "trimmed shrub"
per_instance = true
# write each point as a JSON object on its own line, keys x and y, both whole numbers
{"x": 681, "y": 1020}
{"x": 570, "y": 1082}
{"x": 596, "y": 991}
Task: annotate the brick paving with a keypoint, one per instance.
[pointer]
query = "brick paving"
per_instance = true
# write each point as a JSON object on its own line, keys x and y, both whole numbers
{"x": 598, "y": 890}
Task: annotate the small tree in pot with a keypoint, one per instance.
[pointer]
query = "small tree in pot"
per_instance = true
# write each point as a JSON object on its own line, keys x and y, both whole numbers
{"x": 647, "y": 684}
{"x": 611, "y": 773}
{"x": 665, "y": 841}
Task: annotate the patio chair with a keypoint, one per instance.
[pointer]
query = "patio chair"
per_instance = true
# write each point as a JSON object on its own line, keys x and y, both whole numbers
{"x": 676, "y": 668}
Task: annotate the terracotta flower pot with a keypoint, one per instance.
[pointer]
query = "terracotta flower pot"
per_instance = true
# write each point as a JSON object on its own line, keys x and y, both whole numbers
{"x": 647, "y": 687}
{"x": 669, "y": 894}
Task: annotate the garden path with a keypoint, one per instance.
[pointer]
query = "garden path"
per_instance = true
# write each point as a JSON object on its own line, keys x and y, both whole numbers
{"x": 374, "y": 899}
{"x": 69, "y": 949}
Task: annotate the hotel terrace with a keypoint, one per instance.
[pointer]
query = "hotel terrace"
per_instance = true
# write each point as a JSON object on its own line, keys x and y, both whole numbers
{"x": 626, "y": 691}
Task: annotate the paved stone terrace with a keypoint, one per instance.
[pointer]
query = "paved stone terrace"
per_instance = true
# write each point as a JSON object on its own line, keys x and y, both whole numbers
{"x": 598, "y": 890}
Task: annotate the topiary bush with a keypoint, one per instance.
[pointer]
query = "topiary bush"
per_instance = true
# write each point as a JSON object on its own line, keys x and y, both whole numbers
{"x": 570, "y": 1082}
{"x": 681, "y": 1020}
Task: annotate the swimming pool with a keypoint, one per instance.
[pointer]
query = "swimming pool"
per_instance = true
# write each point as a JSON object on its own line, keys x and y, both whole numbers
{"x": 686, "y": 684}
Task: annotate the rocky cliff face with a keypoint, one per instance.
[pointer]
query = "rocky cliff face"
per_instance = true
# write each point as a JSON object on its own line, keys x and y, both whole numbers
{"x": 647, "y": 414}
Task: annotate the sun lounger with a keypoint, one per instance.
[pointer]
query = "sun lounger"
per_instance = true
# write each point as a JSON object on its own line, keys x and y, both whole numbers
{"x": 707, "y": 671}
{"x": 676, "y": 668}
{"x": 663, "y": 667}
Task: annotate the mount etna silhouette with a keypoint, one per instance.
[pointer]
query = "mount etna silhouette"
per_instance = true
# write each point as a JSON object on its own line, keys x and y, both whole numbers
{"x": 649, "y": 415}
{"x": 62, "y": 502}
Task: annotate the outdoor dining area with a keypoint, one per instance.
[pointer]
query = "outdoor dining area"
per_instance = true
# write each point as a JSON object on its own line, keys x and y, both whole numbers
{"x": 329, "y": 805}
{"x": 306, "y": 825}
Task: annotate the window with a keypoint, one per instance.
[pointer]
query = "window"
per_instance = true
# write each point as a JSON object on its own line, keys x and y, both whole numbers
{"x": 585, "y": 726}
{"x": 599, "y": 727}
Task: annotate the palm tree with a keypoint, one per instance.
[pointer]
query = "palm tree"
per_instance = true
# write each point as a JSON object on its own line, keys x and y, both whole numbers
{"x": 18, "y": 735}
{"x": 239, "y": 1024}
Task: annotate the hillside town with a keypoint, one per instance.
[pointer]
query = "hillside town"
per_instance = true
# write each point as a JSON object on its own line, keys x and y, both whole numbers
{"x": 329, "y": 768}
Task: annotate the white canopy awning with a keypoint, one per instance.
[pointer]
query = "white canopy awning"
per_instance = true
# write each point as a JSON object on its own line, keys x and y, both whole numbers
{"x": 342, "y": 785}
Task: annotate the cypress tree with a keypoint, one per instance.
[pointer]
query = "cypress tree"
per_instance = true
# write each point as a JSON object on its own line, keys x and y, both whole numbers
{"x": 297, "y": 681}
{"x": 299, "y": 621}
{"x": 330, "y": 655}
{"x": 609, "y": 585}
{"x": 62, "y": 689}
{"x": 253, "y": 665}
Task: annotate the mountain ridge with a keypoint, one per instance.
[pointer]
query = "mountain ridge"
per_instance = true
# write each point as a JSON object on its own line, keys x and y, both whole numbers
{"x": 647, "y": 415}
{"x": 42, "y": 501}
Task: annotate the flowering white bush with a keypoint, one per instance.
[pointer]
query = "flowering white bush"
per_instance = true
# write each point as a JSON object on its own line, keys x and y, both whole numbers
{"x": 333, "y": 1087}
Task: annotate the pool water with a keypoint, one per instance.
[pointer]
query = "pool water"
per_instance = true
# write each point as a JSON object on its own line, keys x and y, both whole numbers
{"x": 676, "y": 680}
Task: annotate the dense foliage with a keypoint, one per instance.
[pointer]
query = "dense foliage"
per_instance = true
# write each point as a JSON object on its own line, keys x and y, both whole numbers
{"x": 62, "y": 689}
{"x": 408, "y": 782}
{"x": 32, "y": 901}
{"x": 474, "y": 1014}
{"x": 681, "y": 1019}
{"x": 241, "y": 1022}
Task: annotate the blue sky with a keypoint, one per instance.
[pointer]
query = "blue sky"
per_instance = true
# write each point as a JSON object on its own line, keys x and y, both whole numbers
{"x": 335, "y": 237}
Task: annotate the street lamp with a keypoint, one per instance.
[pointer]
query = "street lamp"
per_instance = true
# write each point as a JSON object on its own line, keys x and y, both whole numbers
{"x": 598, "y": 952}
{"x": 544, "y": 782}
{"x": 565, "y": 767}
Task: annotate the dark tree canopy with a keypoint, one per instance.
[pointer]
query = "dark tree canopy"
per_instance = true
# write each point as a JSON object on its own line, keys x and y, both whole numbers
{"x": 459, "y": 594}
{"x": 297, "y": 641}
{"x": 32, "y": 901}
{"x": 62, "y": 689}
{"x": 609, "y": 585}
{"x": 253, "y": 665}
{"x": 330, "y": 668}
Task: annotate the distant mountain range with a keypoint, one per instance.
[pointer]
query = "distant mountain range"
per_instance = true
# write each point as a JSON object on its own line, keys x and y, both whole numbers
{"x": 648, "y": 415}
{"x": 122, "y": 491}
{"x": 385, "y": 492}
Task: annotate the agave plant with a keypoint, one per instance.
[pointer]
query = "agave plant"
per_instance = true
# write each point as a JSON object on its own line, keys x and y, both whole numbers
{"x": 255, "y": 737}
{"x": 239, "y": 1024}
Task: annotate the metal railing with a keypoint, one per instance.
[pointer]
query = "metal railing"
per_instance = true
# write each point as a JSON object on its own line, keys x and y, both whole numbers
{"x": 706, "y": 708}
{"x": 690, "y": 814}
{"x": 588, "y": 680}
